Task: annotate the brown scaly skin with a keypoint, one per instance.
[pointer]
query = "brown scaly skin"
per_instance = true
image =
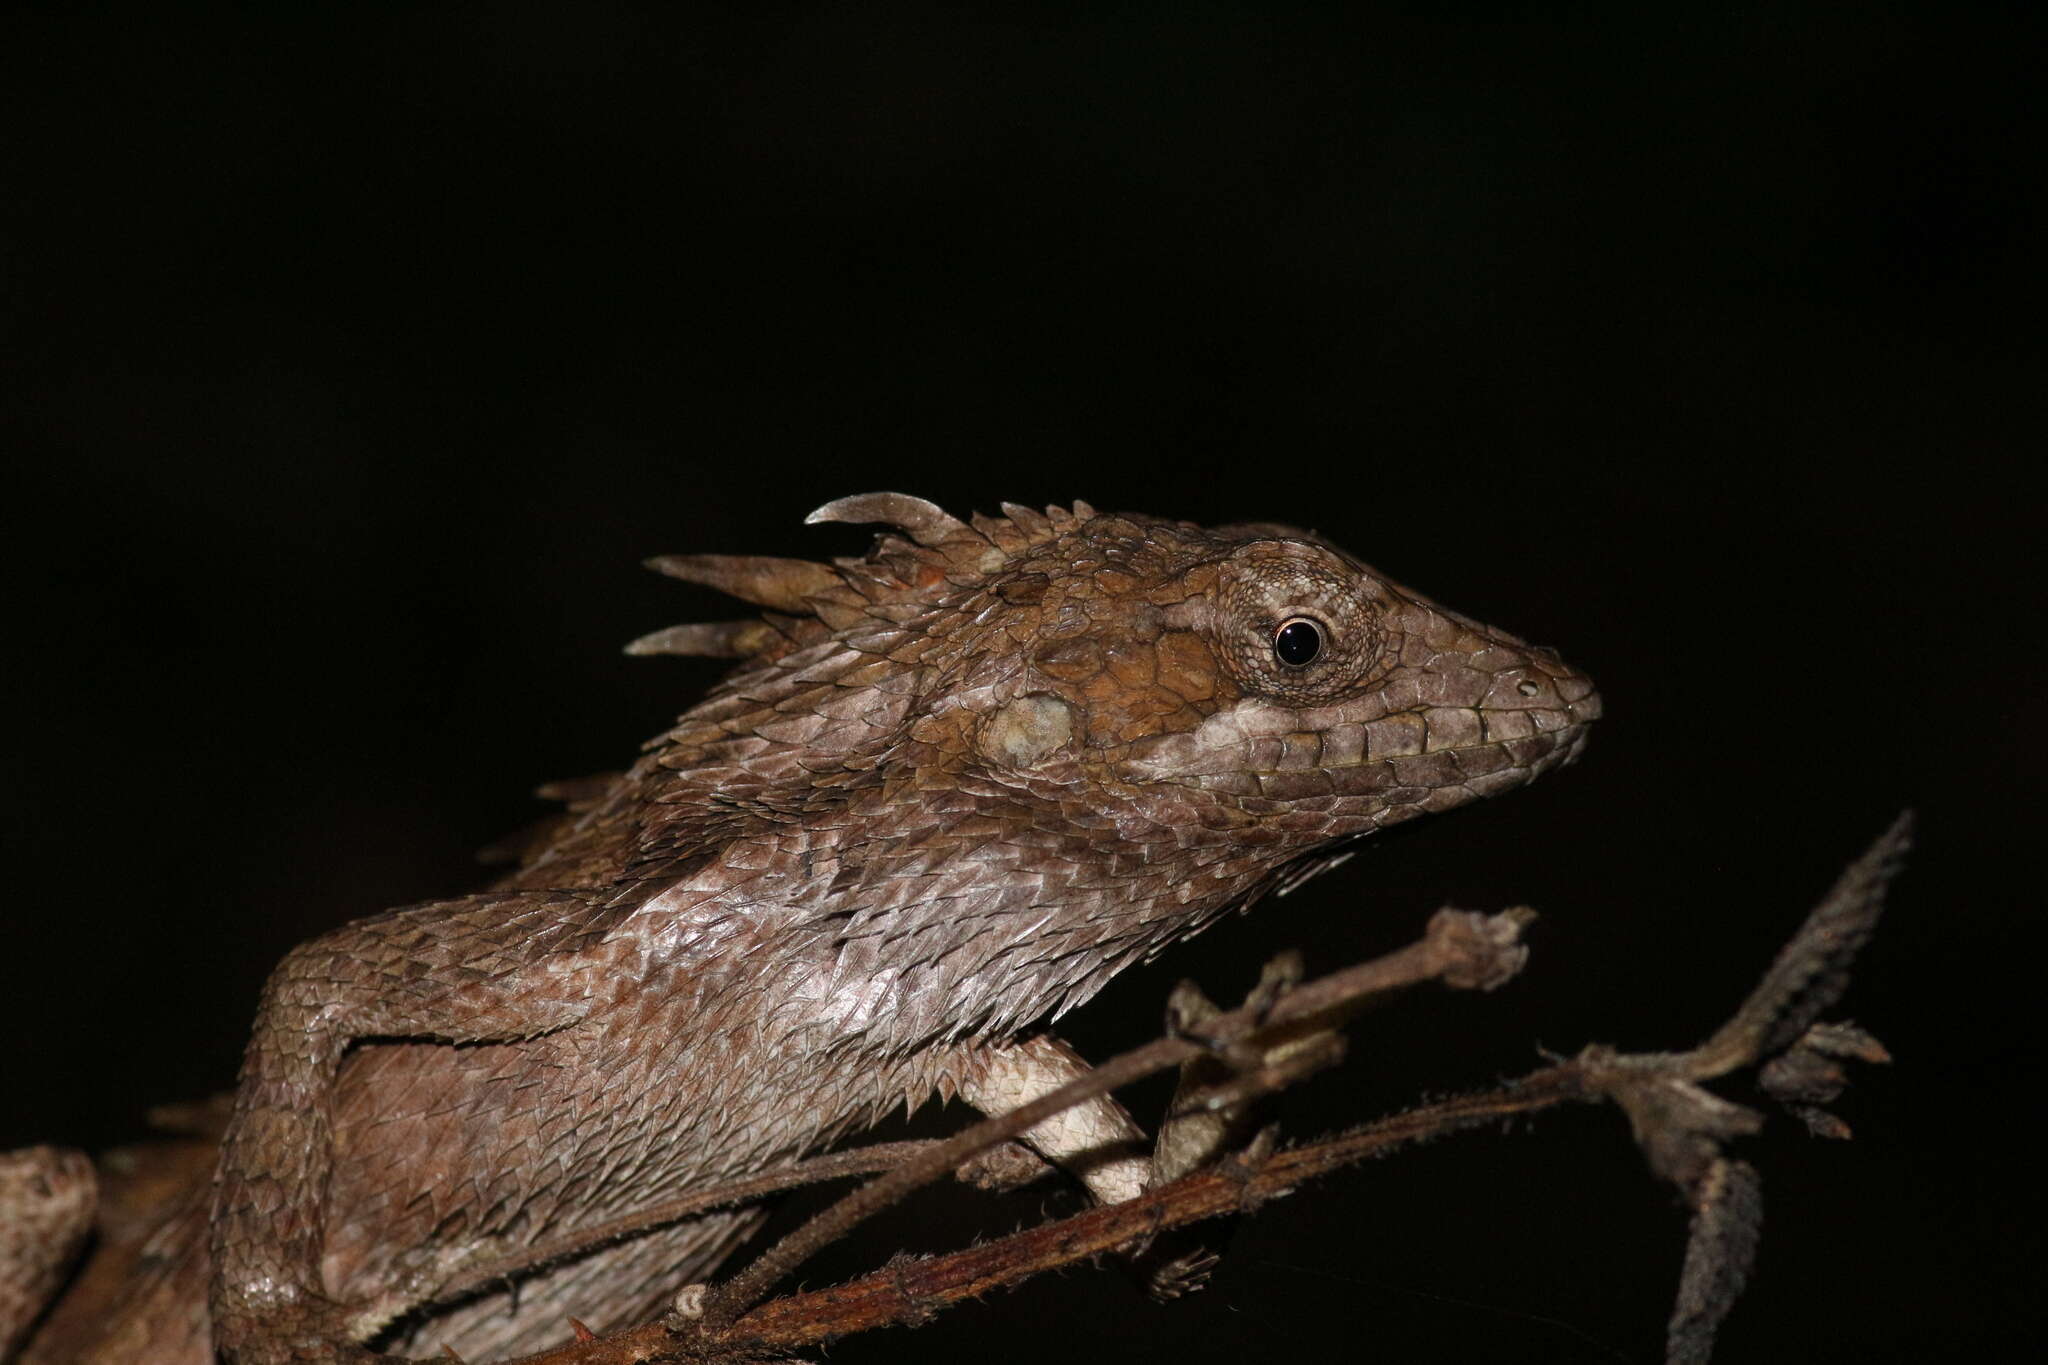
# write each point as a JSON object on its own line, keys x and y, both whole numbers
{"x": 955, "y": 786}
{"x": 46, "y": 1206}
{"x": 141, "y": 1295}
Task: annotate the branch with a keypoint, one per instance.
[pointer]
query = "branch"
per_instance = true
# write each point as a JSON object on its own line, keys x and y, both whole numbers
{"x": 1680, "y": 1127}
{"x": 911, "y": 1290}
{"x": 1458, "y": 946}
{"x": 1812, "y": 971}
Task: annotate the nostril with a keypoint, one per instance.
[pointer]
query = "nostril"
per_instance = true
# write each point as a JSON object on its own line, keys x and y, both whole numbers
{"x": 1527, "y": 688}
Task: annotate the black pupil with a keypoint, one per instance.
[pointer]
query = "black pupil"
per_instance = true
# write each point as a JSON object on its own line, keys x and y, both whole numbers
{"x": 1297, "y": 643}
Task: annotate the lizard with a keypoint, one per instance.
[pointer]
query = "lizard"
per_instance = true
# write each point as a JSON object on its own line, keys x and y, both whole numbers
{"x": 949, "y": 789}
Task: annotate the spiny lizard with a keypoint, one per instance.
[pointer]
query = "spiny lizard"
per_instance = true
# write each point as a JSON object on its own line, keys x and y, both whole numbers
{"x": 949, "y": 790}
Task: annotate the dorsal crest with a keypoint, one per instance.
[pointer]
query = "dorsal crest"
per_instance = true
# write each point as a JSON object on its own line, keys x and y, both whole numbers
{"x": 902, "y": 575}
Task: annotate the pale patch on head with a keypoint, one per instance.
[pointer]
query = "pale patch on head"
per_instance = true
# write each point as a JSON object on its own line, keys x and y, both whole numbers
{"x": 1027, "y": 730}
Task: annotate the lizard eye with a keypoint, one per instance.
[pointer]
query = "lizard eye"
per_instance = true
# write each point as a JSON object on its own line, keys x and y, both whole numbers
{"x": 1299, "y": 625}
{"x": 1299, "y": 642}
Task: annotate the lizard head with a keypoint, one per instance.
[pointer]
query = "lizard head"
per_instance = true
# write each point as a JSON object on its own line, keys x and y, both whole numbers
{"x": 1251, "y": 686}
{"x": 1340, "y": 692}
{"x": 1257, "y": 678}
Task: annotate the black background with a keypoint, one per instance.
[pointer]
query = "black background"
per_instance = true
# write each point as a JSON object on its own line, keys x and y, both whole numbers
{"x": 353, "y": 358}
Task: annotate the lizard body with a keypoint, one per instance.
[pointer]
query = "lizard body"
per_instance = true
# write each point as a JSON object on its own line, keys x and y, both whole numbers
{"x": 952, "y": 788}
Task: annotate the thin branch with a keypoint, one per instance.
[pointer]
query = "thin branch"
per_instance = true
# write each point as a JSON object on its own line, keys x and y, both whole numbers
{"x": 1811, "y": 973}
{"x": 910, "y": 1290}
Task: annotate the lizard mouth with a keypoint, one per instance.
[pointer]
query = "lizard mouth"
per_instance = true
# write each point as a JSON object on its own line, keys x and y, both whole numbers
{"x": 1430, "y": 738}
{"x": 1409, "y": 745}
{"x": 1414, "y": 758}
